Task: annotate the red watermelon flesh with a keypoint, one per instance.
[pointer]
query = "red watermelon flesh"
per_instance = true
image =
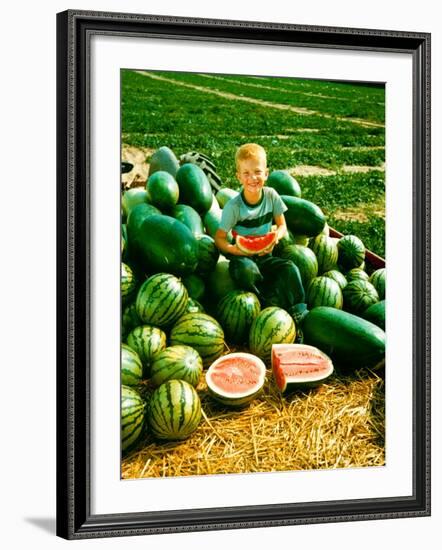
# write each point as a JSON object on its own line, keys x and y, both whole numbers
{"x": 255, "y": 244}
{"x": 299, "y": 366}
{"x": 235, "y": 379}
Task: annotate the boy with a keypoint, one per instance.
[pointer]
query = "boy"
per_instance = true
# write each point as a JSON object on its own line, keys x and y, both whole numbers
{"x": 252, "y": 212}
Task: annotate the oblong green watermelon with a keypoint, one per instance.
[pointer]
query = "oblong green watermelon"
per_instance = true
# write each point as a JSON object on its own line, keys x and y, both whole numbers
{"x": 195, "y": 189}
{"x": 131, "y": 198}
{"x": 162, "y": 190}
{"x": 163, "y": 244}
{"x": 345, "y": 337}
{"x": 284, "y": 183}
{"x": 189, "y": 217}
{"x": 376, "y": 314}
{"x": 303, "y": 217}
{"x": 208, "y": 255}
{"x": 163, "y": 159}
{"x": 174, "y": 410}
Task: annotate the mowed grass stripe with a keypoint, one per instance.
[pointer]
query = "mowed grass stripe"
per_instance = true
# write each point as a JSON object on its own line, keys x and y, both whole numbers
{"x": 278, "y": 89}
{"x": 263, "y": 103}
{"x": 351, "y": 107}
{"x": 344, "y": 89}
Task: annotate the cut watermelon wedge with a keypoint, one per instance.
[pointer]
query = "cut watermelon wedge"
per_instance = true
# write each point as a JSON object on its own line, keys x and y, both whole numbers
{"x": 236, "y": 378}
{"x": 297, "y": 366}
{"x": 255, "y": 244}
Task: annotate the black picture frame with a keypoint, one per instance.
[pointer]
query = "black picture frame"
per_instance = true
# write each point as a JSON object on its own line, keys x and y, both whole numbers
{"x": 74, "y": 518}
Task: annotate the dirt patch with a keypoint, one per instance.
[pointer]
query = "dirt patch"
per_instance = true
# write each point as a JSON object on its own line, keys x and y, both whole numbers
{"x": 136, "y": 156}
{"x": 362, "y": 169}
{"x": 307, "y": 170}
{"x": 362, "y": 212}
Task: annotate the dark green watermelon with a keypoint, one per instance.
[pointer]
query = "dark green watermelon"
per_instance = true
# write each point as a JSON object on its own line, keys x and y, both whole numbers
{"x": 163, "y": 244}
{"x": 195, "y": 189}
{"x": 303, "y": 217}
{"x": 284, "y": 183}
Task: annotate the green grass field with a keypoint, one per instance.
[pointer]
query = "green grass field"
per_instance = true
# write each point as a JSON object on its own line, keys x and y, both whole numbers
{"x": 330, "y": 135}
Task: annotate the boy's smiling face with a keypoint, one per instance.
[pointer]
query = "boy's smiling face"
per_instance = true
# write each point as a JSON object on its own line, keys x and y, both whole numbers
{"x": 252, "y": 174}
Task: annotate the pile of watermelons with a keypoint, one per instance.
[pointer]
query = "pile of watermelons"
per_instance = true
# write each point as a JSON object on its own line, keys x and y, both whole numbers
{"x": 181, "y": 309}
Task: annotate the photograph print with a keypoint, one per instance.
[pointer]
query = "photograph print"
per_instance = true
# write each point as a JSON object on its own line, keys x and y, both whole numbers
{"x": 252, "y": 274}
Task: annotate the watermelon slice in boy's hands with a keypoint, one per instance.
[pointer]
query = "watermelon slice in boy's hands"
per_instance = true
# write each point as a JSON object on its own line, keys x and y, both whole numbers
{"x": 255, "y": 244}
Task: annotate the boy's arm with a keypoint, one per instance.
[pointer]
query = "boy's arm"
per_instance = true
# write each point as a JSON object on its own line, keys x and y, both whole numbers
{"x": 223, "y": 244}
{"x": 281, "y": 227}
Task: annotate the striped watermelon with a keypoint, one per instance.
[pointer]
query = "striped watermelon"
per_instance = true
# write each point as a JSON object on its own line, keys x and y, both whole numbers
{"x": 351, "y": 252}
{"x": 323, "y": 291}
{"x": 236, "y": 313}
{"x": 305, "y": 259}
{"x": 161, "y": 300}
{"x": 146, "y": 341}
{"x": 272, "y": 326}
{"x": 336, "y": 276}
{"x": 129, "y": 320}
{"x": 326, "y": 252}
{"x": 377, "y": 279}
{"x": 131, "y": 366}
{"x": 208, "y": 255}
{"x": 359, "y": 295}
{"x": 176, "y": 363}
{"x": 128, "y": 282}
{"x": 202, "y": 332}
{"x": 356, "y": 273}
{"x": 132, "y": 417}
{"x": 174, "y": 410}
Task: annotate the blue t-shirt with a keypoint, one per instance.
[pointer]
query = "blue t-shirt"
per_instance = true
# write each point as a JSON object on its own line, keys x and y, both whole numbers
{"x": 252, "y": 219}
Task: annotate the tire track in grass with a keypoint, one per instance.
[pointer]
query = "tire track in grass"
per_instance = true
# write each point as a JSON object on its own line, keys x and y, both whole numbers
{"x": 275, "y": 89}
{"x": 262, "y": 103}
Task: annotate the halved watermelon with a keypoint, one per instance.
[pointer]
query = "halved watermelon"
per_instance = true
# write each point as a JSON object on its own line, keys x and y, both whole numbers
{"x": 236, "y": 378}
{"x": 255, "y": 244}
{"x": 298, "y": 366}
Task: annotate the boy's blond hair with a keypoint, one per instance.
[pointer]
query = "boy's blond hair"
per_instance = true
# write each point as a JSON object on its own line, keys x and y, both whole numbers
{"x": 248, "y": 151}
